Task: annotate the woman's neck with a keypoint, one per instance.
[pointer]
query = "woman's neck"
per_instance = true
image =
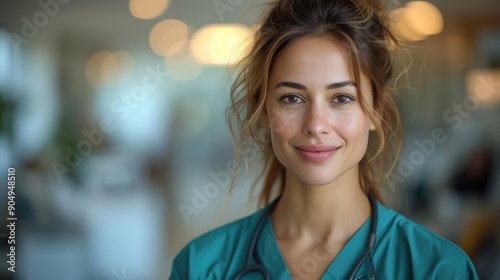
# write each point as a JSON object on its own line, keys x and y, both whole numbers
{"x": 332, "y": 213}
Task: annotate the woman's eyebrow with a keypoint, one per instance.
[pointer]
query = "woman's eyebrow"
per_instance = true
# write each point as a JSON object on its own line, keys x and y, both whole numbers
{"x": 340, "y": 85}
{"x": 302, "y": 87}
{"x": 290, "y": 85}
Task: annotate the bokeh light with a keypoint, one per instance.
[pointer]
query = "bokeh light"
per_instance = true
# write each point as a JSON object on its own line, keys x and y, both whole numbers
{"x": 93, "y": 67}
{"x": 148, "y": 9}
{"x": 417, "y": 20}
{"x": 424, "y": 18}
{"x": 168, "y": 37}
{"x": 220, "y": 44}
{"x": 402, "y": 27}
{"x": 109, "y": 68}
{"x": 479, "y": 85}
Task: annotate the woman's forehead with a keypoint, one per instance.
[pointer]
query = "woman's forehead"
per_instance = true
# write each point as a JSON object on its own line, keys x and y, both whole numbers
{"x": 313, "y": 59}
{"x": 308, "y": 53}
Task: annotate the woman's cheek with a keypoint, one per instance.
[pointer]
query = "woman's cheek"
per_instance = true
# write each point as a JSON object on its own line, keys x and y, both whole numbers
{"x": 354, "y": 126}
{"x": 280, "y": 123}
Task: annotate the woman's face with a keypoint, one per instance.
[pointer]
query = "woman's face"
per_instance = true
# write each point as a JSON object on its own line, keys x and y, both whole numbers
{"x": 319, "y": 131}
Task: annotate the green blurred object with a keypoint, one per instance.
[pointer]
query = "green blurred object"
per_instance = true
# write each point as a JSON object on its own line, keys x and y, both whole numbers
{"x": 7, "y": 109}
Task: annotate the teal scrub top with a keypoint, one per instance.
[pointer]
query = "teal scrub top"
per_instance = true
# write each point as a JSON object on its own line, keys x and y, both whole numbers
{"x": 403, "y": 250}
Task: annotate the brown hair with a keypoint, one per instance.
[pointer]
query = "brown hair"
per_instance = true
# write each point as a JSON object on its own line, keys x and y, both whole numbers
{"x": 362, "y": 28}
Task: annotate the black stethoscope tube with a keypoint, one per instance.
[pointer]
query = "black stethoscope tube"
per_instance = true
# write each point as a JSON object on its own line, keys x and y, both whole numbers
{"x": 371, "y": 242}
{"x": 259, "y": 267}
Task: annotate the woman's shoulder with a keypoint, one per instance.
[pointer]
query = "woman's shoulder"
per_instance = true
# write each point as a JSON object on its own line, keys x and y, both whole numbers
{"x": 421, "y": 237}
{"x": 224, "y": 234}
{"x": 427, "y": 251}
{"x": 215, "y": 245}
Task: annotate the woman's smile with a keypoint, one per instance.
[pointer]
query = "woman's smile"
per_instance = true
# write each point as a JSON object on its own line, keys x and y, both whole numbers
{"x": 316, "y": 153}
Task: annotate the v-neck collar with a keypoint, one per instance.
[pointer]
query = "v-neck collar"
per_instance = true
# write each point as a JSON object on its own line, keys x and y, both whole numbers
{"x": 340, "y": 267}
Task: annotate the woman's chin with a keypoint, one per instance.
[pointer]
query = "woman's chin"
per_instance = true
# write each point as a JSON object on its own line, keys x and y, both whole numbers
{"x": 316, "y": 182}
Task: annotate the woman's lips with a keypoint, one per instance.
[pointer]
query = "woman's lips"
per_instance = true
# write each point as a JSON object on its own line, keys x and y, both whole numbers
{"x": 316, "y": 154}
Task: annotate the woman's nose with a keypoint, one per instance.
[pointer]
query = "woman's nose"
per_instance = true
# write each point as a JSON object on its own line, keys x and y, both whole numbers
{"x": 316, "y": 120}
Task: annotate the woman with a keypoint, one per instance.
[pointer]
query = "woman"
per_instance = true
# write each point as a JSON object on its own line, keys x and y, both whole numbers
{"x": 316, "y": 88}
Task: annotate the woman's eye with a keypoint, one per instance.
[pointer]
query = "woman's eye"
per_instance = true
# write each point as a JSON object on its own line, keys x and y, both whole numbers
{"x": 291, "y": 99}
{"x": 343, "y": 99}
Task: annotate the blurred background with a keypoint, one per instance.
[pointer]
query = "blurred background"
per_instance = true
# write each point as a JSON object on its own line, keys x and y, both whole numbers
{"x": 112, "y": 114}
